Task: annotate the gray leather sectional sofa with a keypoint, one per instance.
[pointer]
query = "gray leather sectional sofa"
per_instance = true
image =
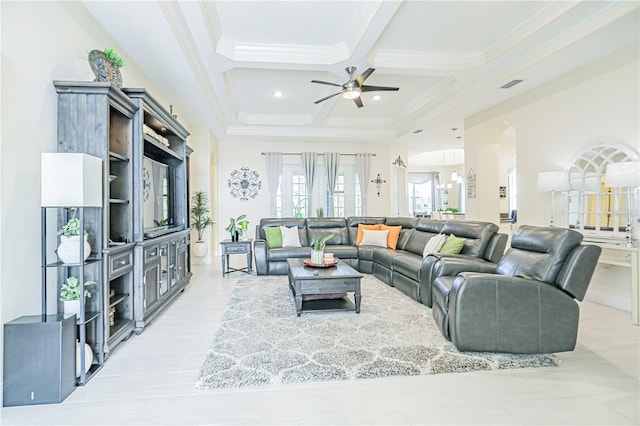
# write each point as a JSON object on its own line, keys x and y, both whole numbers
{"x": 404, "y": 267}
{"x": 483, "y": 299}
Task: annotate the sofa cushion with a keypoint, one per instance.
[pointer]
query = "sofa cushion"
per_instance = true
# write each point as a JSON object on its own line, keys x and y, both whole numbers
{"x": 384, "y": 257}
{"x": 434, "y": 244}
{"x": 342, "y": 252}
{"x": 477, "y": 235}
{"x": 366, "y": 252}
{"x": 284, "y": 221}
{"x": 284, "y": 253}
{"x": 453, "y": 245}
{"x": 290, "y": 236}
{"x": 538, "y": 253}
{"x": 362, "y": 227}
{"x": 320, "y": 227}
{"x": 273, "y": 236}
{"x": 407, "y": 224}
{"x": 408, "y": 264}
{"x": 354, "y": 221}
{"x": 374, "y": 238}
{"x": 417, "y": 240}
{"x": 394, "y": 234}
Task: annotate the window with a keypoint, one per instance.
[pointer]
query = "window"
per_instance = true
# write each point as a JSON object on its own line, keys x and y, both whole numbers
{"x": 347, "y": 197}
{"x": 592, "y": 205}
{"x": 421, "y": 193}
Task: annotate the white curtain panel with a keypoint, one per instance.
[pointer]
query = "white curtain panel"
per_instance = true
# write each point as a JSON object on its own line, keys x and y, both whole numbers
{"x": 273, "y": 161}
{"x": 363, "y": 165}
{"x": 331, "y": 165}
{"x": 309, "y": 166}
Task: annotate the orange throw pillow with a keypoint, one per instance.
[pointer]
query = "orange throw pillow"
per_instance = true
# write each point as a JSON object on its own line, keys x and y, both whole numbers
{"x": 394, "y": 234}
{"x": 375, "y": 227}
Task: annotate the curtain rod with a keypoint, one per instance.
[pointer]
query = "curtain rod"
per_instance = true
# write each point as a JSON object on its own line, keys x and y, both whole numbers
{"x": 299, "y": 153}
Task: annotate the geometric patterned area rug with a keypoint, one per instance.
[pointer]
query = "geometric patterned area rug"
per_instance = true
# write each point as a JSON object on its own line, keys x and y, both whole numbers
{"x": 261, "y": 341}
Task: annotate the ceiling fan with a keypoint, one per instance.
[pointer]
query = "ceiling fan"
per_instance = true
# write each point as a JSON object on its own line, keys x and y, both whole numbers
{"x": 354, "y": 87}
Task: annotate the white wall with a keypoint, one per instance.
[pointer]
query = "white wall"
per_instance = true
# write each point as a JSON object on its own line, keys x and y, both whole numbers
{"x": 31, "y": 60}
{"x": 595, "y": 105}
{"x": 233, "y": 156}
{"x": 204, "y": 146}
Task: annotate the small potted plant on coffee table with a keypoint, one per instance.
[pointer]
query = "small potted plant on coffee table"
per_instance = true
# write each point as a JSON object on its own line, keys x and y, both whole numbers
{"x": 317, "y": 253}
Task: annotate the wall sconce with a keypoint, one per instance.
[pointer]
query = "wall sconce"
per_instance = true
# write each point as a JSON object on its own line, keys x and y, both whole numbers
{"x": 378, "y": 181}
{"x": 398, "y": 162}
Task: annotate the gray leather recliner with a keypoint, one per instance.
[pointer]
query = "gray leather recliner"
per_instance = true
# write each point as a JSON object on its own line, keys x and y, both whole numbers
{"x": 528, "y": 305}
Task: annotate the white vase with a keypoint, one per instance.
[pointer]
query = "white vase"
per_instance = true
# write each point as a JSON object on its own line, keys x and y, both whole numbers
{"x": 71, "y": 307}
{"x": 69, "y": 249}
{"x": 200, "y": 249}
{"x": 317, "y": 257}
{"x": 88, "y": 358}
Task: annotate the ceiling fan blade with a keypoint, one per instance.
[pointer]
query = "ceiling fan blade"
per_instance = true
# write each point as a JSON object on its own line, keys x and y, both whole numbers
{"x": 326, "y": 82}
{"x": 378, "y": 88}
{"x": 365, "y": 75}
{"x": 358, "y": 102}
{"x": 326, "y": 97}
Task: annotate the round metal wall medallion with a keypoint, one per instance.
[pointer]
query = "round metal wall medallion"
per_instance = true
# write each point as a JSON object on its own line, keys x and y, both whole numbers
{"x": 244, "y": 184}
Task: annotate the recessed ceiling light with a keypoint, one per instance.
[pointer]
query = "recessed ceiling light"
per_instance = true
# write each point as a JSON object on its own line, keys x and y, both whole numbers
{"x": 277, "y": 94}
{"x": 377, "y": 97}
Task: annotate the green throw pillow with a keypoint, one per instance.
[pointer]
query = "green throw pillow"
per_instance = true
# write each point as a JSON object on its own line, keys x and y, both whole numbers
{"x": 453, "y": 245}
{"x": 274, "y": 236}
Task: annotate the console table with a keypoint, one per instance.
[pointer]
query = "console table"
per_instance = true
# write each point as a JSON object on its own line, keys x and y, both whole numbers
{"x": 627, "y": 257}
{"x": 235, "y": 247}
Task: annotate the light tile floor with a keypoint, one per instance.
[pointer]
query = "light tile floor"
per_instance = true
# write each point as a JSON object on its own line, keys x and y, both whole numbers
{"x": 150, "y": 378}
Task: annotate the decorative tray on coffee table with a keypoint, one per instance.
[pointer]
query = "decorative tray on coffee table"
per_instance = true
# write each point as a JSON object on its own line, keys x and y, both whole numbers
{"x": 320, "y": 265}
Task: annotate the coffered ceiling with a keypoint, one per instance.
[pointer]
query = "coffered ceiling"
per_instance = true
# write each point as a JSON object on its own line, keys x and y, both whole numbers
{"x": 221, "y": 62}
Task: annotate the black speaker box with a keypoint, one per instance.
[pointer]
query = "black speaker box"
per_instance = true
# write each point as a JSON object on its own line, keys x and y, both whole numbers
{"x": 39, "y": 360}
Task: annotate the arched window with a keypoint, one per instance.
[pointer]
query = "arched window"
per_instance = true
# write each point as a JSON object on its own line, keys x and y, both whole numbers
{"x": 592, "y": 205}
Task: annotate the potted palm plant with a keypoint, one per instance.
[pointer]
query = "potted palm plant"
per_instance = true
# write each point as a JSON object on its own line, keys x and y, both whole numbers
{"x": 200, "y": 220}
{"x": 69, "y": 248}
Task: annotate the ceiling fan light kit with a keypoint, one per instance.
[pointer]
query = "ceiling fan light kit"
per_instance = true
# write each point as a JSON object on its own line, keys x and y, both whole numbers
{"x": 354, "y": 87}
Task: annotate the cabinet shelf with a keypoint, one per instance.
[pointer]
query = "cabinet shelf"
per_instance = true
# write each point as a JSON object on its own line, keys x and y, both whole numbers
{"x": 118, "y": 201}
{"x": 59, "y": 264}
{"x": 114, "y": 156}
{"x": 114, "y": 300}
{"x": 88, "y": 317}
{"x": 157, "y": 150}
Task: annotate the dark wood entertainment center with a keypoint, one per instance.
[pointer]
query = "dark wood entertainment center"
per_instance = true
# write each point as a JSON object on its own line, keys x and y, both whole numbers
{"x": 144, "y": 266}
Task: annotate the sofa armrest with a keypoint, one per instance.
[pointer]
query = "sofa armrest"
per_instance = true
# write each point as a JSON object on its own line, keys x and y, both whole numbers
{"x": 452, "y": 265}
{"x": 439, "y": 264}
{"x": 496, "y": 313}
{"x": 261, "y": 254}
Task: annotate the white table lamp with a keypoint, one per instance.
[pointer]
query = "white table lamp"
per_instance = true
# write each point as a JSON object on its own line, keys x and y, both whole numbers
{"x": 71, "y": 180}
{"x": 620, "y": 175}
{"x": 551, "y": 182}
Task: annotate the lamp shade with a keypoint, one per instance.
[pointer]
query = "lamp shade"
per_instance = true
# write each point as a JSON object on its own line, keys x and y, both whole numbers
{"x": 71, "y": 180}
{"x": 623, "y": 174}
{"x": 553, "y": 181}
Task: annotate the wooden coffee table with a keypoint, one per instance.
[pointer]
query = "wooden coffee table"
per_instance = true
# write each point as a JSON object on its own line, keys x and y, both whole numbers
{"x": 311, "y": 283}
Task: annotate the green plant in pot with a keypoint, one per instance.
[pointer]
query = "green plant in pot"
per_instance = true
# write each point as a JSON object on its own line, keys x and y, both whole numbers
{"x": 69, "y": 249}
{"x": 70, "y": 295}
{"x": 200, "y": 220}
{"x": 317, "y": 252}
{"x": 233, "y": 226}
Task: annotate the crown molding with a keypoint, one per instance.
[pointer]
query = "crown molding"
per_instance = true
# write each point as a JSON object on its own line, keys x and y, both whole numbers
{"x": 311, "y": 132}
